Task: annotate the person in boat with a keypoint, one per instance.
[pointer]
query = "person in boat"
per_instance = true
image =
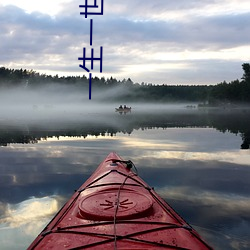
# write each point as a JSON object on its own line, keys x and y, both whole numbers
{"x": 125, "y": 107}
{"x": 120, "y": 107}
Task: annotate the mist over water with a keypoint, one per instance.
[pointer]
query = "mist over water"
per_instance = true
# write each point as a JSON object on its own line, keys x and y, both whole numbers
{"x": 58, "y": 102}
{"x": 54, "y": 108}
{"x": 50, "y": 102}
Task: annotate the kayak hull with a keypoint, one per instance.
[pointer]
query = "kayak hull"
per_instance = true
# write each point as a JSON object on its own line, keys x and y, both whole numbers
{"x": 116, "y": 209}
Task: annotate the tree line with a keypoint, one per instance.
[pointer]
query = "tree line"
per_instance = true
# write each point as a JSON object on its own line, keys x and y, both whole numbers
{"x": 236, "y": 91}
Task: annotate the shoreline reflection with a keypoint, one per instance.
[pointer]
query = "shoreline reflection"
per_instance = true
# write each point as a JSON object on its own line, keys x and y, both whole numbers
{"x": 109, "y": 124}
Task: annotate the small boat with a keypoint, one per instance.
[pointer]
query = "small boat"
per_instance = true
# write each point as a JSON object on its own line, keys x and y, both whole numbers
{"x": 116, "y": 209}
{"x": 125, "y": 110}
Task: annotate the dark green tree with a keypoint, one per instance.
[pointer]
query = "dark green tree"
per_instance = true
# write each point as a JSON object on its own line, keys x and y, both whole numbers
{"x": 246, "y": 75}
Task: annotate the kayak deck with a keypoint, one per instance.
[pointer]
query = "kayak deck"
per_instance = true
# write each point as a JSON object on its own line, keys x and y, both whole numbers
{"x": 116, "y": 209}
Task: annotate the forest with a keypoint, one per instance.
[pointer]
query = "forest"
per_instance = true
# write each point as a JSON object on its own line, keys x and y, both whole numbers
{"x": 224, "y": 93}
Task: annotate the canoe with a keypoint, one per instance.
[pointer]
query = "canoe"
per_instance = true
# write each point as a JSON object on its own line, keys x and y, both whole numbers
{"x": 116, "y": 209}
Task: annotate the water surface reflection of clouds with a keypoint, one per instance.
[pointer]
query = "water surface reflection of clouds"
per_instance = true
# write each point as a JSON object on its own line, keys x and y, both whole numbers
{"x": 199, "y": 171}
{"x": 170, "y": 143}
{"x": 22, "y": 220}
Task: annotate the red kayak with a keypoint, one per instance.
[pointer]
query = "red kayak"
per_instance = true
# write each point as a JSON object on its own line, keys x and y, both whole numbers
{"x": 116, "y": 209}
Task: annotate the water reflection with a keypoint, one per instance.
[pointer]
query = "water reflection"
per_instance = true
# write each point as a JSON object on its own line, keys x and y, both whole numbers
{"x": 110, "y": 123}
{"x": 20, "y": 222}
{"x": 31, "y": 210}
{"x": 195, "y": 166}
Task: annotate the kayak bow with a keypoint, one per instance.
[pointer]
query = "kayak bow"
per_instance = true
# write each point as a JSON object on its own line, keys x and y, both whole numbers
{"x": 116, "y": 209}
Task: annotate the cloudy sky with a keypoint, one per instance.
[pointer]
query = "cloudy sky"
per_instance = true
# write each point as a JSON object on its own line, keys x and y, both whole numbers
{"x": 159, "y": 41}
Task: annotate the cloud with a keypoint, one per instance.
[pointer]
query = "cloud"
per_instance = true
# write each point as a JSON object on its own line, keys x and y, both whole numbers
{"x": 133, "y": 36}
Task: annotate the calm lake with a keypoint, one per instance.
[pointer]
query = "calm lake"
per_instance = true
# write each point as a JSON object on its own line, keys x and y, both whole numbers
{"x": 198, "y": 160}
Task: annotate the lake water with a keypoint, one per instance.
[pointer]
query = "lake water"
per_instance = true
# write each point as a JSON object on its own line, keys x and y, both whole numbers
{"x": 197, "y": 160}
